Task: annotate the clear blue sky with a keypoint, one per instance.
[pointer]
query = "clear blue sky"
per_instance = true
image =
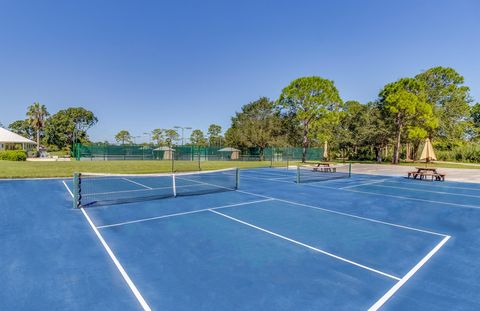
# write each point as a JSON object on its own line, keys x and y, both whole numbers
{"x": 140, "y": 65}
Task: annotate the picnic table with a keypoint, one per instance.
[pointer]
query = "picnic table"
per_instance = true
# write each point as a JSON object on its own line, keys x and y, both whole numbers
{"x": 424, "y": 173}
{"x": 324, "y": 167}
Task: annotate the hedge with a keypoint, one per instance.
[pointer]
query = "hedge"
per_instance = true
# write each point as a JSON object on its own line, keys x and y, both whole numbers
{"x": 13, "y": 155}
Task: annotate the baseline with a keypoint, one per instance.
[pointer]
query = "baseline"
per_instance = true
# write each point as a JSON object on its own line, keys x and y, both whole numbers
{"x": 407, "y": 276}
{"x": 403, "y": 280}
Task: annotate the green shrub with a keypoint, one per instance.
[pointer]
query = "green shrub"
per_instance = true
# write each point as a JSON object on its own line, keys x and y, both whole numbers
{"x": 465, "y": 153}
{"x": 13, "y": 155}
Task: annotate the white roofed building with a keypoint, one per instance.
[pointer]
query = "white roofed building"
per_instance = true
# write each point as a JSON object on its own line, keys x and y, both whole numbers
{"x": 11, "y": 141}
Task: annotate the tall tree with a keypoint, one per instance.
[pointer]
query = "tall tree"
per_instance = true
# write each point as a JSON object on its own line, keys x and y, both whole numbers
{"x": 450, "y": 100}
{"x": 23, "y": 128}
{"x": 257, "y": 125}
{"x": 198, "y": 138}
{"x": 345, "y": 134}
{"x": 158, "y": 136}
{"x": 214, "y": 135}
{"x": 69, "y": 126}
{"x": 124, "y": 137}
{"x": 405, "y": 102}
{"x": 37, "y": 116}
{"x": 311, "y": 100}
{"x": 374, "y": 131}
{"x": 475, "y": 121}
{"x": 171, "y": 136}
{"x": 232, "y": 137}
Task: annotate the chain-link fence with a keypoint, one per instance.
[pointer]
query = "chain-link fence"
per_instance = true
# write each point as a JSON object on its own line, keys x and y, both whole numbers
{"x": 187, "y": 158}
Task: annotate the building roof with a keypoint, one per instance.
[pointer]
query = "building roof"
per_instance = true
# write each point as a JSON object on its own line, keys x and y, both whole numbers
{"x": 228, "y": 149}
{"x": 7, "y": 136}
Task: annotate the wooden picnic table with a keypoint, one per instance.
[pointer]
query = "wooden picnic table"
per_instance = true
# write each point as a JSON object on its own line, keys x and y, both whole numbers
{"x": 426, "y": 169}
{"x": 425, "y": 172}
{"x": 324, "y": 167}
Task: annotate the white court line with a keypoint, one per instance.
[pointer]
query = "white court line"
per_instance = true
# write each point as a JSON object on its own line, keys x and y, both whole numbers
{"x": 343, "y": 214}
{"x": 137, "y": 190}
{"x": 263, "y": 174}
{"x": 407, "y": 276}
{"x": 346, "y": 214}
{"x": 430, "y": 191}
{"x": 407, "y": 198}
{"x": 270, "y": 179}
{"x": 308, "y": 246}
{"x": 181, "y": 214}
{"x": 208, "y": 184}
{"x": 437, "y": 186}
{"x": 316, "y": 185}
{"x": 137, "y": 183}
{"x": 68, "y": 189}
{"x": 364, "y": 184}
{"x": 279, "y": 178}
{"x": 117, "y": 263}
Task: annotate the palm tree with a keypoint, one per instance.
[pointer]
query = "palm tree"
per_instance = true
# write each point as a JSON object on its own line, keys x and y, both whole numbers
{"x": 123, "y": 136}
{"x": 37, "y": 116}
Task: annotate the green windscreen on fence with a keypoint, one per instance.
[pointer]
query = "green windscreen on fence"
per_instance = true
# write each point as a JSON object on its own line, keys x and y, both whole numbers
{"x": 106, "y": 152}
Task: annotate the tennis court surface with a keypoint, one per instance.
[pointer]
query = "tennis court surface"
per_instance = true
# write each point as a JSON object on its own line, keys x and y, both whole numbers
{"x": 267, "y": 242}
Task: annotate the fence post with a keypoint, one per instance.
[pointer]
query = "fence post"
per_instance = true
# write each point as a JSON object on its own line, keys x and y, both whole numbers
{"x": 287, "y": 159}
{"x": 272, "y": 151}
{"x": 199, "y": 161}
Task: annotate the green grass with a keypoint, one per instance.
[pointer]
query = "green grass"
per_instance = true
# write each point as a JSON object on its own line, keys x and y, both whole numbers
{"x": 10, "y": 169}
{"x": 61, "y": 153}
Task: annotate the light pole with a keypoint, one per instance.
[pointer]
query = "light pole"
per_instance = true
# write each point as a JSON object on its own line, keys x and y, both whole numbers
{"x": 149, "y": 134}
{"x": 182, "y": 128}
{"x": 135, "y": 139}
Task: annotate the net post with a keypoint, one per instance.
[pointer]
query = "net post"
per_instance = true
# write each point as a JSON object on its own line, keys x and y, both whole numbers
{"x": 76, "y": 190}
{"x": 298, "y": 174}
{"x": 349, "y": 170}
{"x": 174, "y": 186}
{"x": 237, "y": 178}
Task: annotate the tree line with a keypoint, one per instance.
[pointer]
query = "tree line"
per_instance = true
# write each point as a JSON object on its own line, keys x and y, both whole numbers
{"x": 58, "y": 131}
{"x": 309, "y": 111}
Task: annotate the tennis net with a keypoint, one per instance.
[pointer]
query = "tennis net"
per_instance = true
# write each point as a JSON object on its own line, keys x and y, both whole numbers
{"x": 93, "y": 189}
{"x": 323, "y": 172}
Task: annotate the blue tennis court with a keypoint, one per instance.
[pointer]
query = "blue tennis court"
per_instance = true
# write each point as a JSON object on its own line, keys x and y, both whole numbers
{"x": 359, "y": 243}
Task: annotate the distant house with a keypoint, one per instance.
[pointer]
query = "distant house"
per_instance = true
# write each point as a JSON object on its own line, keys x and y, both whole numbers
{"x": 11, "y": 141}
